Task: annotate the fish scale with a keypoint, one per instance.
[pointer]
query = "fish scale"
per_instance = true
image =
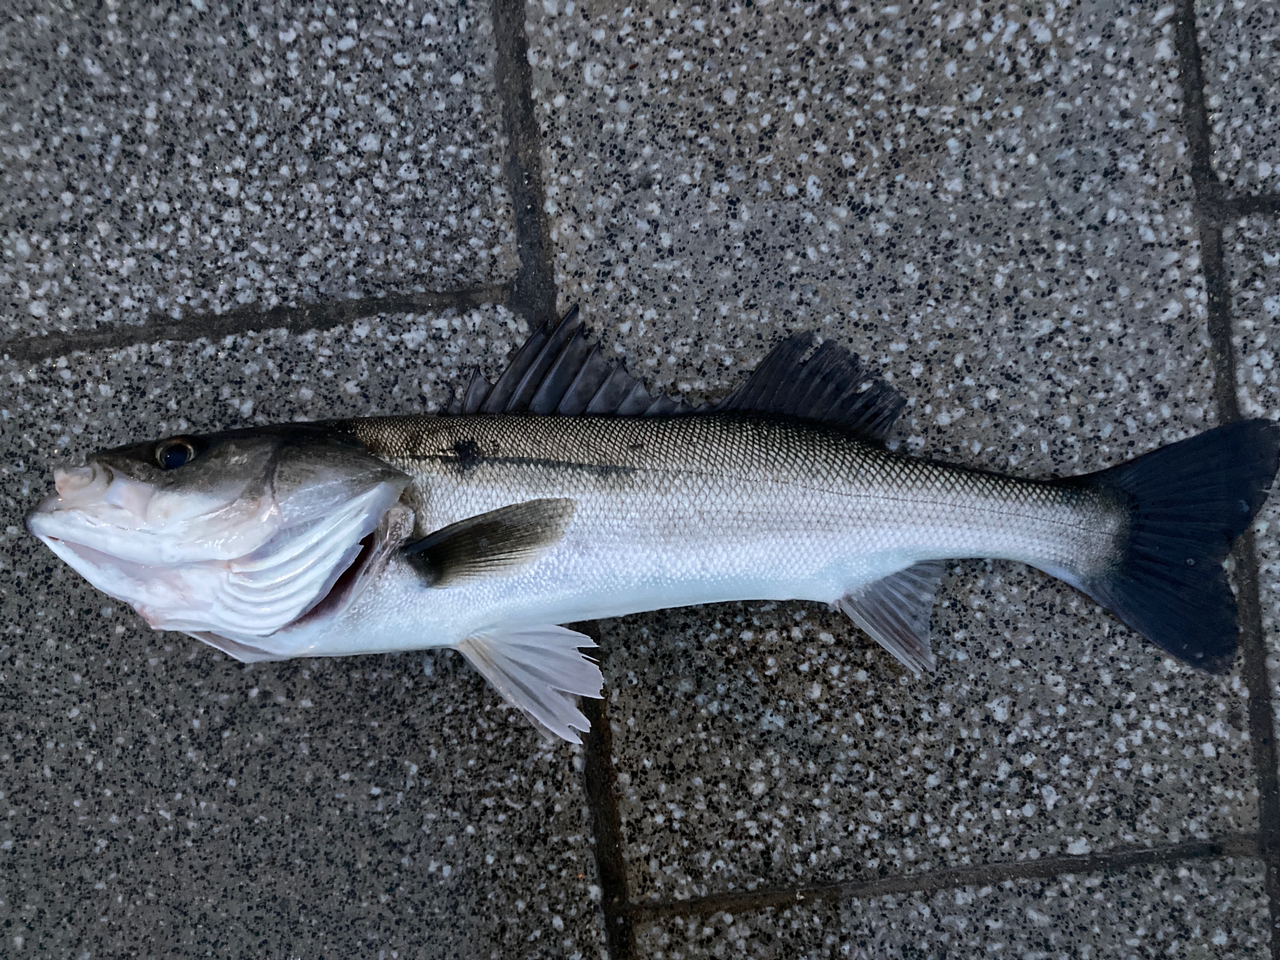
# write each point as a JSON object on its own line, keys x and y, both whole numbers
{"x": 564, "y": 492}
{"x": 749, "y": 499}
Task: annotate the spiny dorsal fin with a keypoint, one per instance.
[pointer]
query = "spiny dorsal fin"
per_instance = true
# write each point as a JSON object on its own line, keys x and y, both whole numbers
{"x": 494, "y": 542}
{"x": 895, "y": 611}
{"x": 540, "y": 671}
{"x": 557, "y": 371}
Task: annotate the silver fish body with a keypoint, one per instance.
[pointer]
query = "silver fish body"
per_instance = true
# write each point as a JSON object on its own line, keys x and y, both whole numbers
{"x": 703, "y": 509}
{"x": 563, "y": 492}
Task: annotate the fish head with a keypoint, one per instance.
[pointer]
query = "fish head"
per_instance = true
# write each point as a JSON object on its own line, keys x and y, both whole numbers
{"x": 229, "y": 537}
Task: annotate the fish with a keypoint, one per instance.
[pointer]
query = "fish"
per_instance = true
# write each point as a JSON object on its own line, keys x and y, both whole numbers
{"x": 564, "y": 491}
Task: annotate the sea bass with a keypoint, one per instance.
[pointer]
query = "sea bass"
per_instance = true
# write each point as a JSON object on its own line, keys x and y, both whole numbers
{"x": 564, "y": 492}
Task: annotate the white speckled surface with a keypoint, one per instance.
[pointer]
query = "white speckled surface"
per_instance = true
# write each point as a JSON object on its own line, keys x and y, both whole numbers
{"x": 777, "y": 746}
{"x": 1241, "y": 41}
{"x": 1202, "y": 910}
{"x": 994, "y": 206}
{"x": 1253, "y": 261}
{"x": 180, "y": 158}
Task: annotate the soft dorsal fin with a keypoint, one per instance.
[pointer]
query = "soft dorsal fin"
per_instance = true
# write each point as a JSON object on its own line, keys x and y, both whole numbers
{"x": 829, "y": 385}
{"x": 558, "y": 371}
{"x": 895, "y": 611}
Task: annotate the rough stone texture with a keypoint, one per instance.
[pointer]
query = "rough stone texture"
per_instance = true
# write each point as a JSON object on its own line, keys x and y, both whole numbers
{"x": 1240, "y": 41}
{"x": 993, "y": 206}
{"x": 761, "y": 748}
{"x": 1204, "y": 909}
{"x": 159, "y": 797}
{"x": 997, "y": 213}
{"x": 177, "y": 157}
{"x": 1253, "y": 263}
{"x": 985, "y": 195}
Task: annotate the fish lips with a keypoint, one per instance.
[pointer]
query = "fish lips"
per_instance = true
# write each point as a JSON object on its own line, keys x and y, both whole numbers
{"x": 116, "y": 516}
{"x": 235, "y": 604}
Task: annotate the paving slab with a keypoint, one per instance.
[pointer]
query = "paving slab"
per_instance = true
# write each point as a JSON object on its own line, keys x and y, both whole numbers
{"x": 762, "y": 747}
{"x": 159, "y": 797}
{"x": 1240, "y": 50}
{"x": 1202, "y": 909}
{"x": 1252, "y": 250}
{"x": 901, "y": 175}
{"x": 993, "y": 208}
{"x": 164, "y": 159}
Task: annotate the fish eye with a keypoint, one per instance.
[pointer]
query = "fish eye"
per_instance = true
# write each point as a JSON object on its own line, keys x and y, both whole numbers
{"x": 172, "y": 454}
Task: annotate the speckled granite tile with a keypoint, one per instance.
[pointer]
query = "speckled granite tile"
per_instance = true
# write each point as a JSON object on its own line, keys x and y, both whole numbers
{"x": 1202, "y": 909}
{"x": 159, "y": 798}
{"x": 909, "y": 176}
{"x": 178, "y": 157}
{"x": 1240, "y": 50}
{"x": 763, "y": 746}
{"x": 1253, "y": 263}
{"x": 995, "y": 210}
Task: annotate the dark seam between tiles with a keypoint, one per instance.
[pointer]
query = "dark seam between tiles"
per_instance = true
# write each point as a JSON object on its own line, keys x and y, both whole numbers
{"x": 1209, "y": 196}
{"x": 1251, "y": 205}
{"x": 215, "y": 326}
{"x": 1195, "y": 113}
{"x": 533, "y": 299}
{"x": 533, "y": 295}
{"x": 1045, "y": 868}
{"x": 606, "y": 825}
{"x": 1216, "y": 208}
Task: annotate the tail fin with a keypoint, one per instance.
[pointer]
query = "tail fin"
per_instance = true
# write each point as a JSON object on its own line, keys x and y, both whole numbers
{"x": 1189, "y": 501}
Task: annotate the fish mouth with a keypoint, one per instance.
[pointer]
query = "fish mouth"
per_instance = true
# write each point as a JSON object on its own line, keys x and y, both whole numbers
{"x": 343, "y": 590}
{"x": 254, "y": 606}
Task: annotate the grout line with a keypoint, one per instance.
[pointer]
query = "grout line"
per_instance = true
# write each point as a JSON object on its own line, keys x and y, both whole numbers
{"x": 1195, "y": 115}
{"x": 1232, "y": 845}
{"x": 533, "y": 298}
{"x": 1210, "y": 206}
{"x": 606, "y": 821}
{"x": 214, "y": 326}
{"x": 534, "y": 293}
{"x": 1216, "y": 208}
{"x": 1252, "y": 205}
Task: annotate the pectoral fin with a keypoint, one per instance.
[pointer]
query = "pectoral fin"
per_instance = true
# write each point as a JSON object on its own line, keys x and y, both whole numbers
{"x": 493, "y": 542}
{"x": 539, "y": 670}
{"x": 895, "y": 611}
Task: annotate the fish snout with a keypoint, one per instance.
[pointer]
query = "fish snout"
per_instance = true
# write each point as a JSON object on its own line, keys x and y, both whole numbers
{"x": 71, "y": 480}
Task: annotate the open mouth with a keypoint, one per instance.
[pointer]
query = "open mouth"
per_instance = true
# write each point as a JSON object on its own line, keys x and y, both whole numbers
{"x": 264, "y": 605}
{"x": 344, "y": 587}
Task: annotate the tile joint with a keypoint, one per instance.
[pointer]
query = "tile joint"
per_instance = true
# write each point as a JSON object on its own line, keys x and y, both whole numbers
{"x": 1216, "y": 205}
{"x": 606, "y": 821}
{"x": 933, "y": 881}
{"x": 533, "y": 296}
{"x": 215, "y": 326}
{"x": 533, "y": 299}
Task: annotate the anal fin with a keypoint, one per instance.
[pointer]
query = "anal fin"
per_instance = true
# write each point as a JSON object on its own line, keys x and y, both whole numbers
{"x": 539, "y": 670}
{"x": 895, "y": 611}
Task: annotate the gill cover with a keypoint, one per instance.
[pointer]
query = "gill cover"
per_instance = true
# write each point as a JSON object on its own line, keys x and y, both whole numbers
{"x": 232, "y": 535}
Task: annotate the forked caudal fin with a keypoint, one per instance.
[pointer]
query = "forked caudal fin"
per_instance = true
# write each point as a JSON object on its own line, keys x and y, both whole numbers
{"x": 1188, "y": 502}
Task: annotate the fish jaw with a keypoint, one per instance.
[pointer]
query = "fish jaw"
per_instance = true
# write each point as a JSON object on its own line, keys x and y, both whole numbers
{"x": 108, "y": 512}
{"x": 230, "y": 567}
